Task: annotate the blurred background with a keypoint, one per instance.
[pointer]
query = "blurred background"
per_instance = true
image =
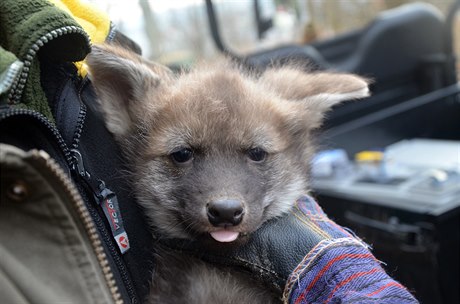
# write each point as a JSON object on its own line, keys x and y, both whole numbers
{"x": 388, "y": 166}
{"x": 178, "y": 31}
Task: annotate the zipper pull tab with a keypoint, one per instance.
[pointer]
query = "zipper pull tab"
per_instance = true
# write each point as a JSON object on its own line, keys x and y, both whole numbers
{"x": 111, "y": 208}
{"x": 79, "y": 168}
{"x": 107, "y": 200}
{"x": 78, "y": 165}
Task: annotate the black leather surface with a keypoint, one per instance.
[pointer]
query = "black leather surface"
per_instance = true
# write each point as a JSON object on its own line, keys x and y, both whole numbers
{"x": 270, "y": 254}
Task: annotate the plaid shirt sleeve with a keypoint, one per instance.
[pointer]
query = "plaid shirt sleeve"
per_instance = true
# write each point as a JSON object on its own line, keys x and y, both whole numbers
{"x": 340, "y": 268}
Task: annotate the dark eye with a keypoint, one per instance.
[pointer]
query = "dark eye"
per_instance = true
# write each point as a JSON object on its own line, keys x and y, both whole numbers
{"x": 182, "y": 156}
{"x": 257, "y": 154}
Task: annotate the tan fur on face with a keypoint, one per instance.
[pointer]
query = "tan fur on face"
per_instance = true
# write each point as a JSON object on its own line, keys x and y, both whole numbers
{"x": 219, "y": 112}
{"x": 237, "y": 114}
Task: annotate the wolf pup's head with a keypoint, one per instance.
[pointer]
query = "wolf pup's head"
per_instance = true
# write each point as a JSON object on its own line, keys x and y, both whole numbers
{"x": 216, "y": 151}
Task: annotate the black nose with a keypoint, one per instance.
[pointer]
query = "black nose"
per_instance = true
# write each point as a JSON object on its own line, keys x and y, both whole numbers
{"x": 225, "y": 212}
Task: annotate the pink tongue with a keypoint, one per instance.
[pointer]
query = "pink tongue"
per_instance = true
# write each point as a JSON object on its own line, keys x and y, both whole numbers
{"x": 224, "y": 235}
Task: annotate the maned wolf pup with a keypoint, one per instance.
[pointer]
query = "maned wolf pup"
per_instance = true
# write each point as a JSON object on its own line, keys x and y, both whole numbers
{"x": 214, "y": 153}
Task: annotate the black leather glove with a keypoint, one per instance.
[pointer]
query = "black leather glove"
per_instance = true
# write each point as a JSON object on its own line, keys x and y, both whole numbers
{"x": 273, "y": 253}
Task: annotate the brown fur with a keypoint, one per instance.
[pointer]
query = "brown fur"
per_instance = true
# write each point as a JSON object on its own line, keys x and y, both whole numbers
{"x": 220, "y": 113}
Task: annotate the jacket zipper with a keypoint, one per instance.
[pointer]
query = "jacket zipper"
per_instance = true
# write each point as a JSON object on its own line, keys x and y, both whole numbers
{"x": 79, "y": 128}
{"x": 72, "y": 160}
{"x": 97, "y": 186}
{"x": 85, "y": 218}
{"x": 45, "y": 122}
{"x": 8, "y": 79}
{"x": 18, "y": 86}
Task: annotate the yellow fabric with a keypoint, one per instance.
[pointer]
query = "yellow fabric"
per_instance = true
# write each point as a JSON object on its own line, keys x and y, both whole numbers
{"x": 95, "y": 22}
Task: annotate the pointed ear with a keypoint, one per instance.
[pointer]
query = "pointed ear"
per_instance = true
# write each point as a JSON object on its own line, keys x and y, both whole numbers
{"x": 123, "y": 80}
{"x": 315, "y": 93}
